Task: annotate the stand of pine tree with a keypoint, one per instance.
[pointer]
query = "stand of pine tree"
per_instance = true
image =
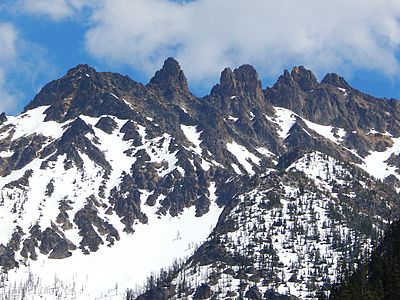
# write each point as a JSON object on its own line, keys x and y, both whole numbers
{"x": 376, "y": 278}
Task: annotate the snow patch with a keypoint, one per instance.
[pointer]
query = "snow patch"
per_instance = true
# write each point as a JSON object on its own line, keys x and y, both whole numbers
{"x": 285, "y": 119}
{"x": 236, "y": 169}
{"x": 343, "y": 90}
{"x": 327, "y": 131}
{"x": 375, "y": 163}
{"x": 32, "y": 122}
{"x": 234, "y": 119}
{"x": 373, "y": 131}
{"x": 264, "y": 151}
{"x": 114, "y": 96}
{"x": 193, "y": 136}
{"x": 243, "y": 156}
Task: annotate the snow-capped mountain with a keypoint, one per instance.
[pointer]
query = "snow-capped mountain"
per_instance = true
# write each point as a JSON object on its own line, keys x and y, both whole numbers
{"x": 243, "y": 193}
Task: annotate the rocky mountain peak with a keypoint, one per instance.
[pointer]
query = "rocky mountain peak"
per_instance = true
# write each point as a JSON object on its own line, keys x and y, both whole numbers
{"x": 81, "y": 69}
{"x": 242, "y": 81}
{"x": 304, "y": 78}
{"x": 227, "y": 79}
{"x": 298, "y": 79}
{"x": 335, "y": 80}
{"x": 247, "y": 74}
{"x": 83, "y": 90}
{"x": 170, "y": 76}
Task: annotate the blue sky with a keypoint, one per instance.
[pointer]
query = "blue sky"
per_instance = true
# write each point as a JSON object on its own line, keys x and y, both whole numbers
{"x": 41, "y": 39}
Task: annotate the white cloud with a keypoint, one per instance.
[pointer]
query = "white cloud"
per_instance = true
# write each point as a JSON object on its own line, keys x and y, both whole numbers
{"x": 53, "y": 9}
{"x": 207, "y": 35}
{"x": 8, "y": 38}
{"x": 8, "y": 54}
{"x": 22, "y": 64}
{"x": 8, "y": 100}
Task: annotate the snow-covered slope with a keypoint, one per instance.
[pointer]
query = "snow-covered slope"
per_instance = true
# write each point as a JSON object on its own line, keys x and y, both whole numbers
{"x": 287, "y": 234}
{"x": 109, "y": 272}
{"x": 45, "y": 194}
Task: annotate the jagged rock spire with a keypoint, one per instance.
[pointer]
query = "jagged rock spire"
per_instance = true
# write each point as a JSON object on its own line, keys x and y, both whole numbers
{"x": 299, "y": 77}
{"x": 304, "y": 78}
{"x": 335, "y": 79}
{"x": 242, "y": 80}
{"x": 170, "y": 76}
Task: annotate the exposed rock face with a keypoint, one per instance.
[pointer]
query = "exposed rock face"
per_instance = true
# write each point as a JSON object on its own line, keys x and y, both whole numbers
{"x": 272, "y": 295}
{"x": 304, "y": 78}
{"x": 56, "y": 245}
{"x": 170, "y": 77}
{"x": 73, "y": 142}
{"x": 239, "y": 89}
{"x": 91, "y": 226}
{"x": 236, "y": 109}
{"x": 84, "y": 91}
{"x": 3, "y": 118}
{"x": 106, "y": 124}
{"x": 335, "y": 80}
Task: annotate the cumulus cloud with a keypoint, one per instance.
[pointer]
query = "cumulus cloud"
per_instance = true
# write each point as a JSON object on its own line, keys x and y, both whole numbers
{"x": 22, "y": 64}
{"x": 8, "y": 37}
{"x": 8, "y": 54}
{"x": 208, "y": 35}
{"x": 53, "y": 9}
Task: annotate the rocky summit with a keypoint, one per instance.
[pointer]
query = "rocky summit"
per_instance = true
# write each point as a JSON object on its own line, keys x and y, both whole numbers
{"x": 111, "y": 189}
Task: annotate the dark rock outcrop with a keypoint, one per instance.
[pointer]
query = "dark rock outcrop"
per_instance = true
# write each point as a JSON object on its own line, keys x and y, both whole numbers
{"x": 170, "y": 77}
{"x": 202, "y": 292}
{"x": 87, "y": 220}
{"x": 106, "y": 124}
{"x": 3, "y": 118}
{"x": 55, "y": 245}
{"x": 84, "y": 91}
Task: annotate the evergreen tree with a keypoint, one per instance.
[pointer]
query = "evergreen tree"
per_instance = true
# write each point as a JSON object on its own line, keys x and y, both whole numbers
{"x": 377, "y": 278}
